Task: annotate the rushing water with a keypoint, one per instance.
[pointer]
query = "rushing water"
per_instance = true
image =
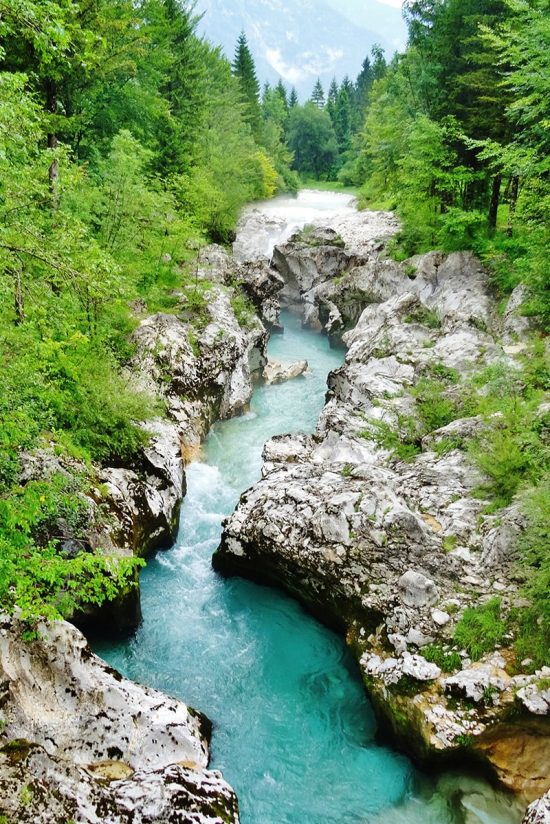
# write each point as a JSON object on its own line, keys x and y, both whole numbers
{"x": 293, "y": 730}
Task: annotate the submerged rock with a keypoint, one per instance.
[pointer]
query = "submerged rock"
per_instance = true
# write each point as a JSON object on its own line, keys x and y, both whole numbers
{"x": 80, "y": 742}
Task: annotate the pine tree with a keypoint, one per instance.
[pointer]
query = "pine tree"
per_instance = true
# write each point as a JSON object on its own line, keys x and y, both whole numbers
{"x": 332, "y": 97}
{"x": 281, "y": 91}
{"x": 318, "y": 96}
{"x": 379, "y": 65}
{"x": 244, "y": 68}
{"x": 293, "y": 99}
{"x": 343, "y": 117}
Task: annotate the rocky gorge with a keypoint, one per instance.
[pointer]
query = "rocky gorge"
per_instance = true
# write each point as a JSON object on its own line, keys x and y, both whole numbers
{"x": 391, "y": 549}
{"x": 388, "y": 551}
{"x": 77, "y": 741}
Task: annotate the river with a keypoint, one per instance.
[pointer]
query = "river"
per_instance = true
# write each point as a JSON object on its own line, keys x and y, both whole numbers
{"x": 293, "y": 730}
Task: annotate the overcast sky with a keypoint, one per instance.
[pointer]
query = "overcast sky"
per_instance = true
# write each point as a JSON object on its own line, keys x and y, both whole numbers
{"x": 396, "y": 3}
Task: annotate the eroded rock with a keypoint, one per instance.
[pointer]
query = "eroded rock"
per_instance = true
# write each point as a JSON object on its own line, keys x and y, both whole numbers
{"x": 78, "y": 741}
{"x": 393, "y": 550}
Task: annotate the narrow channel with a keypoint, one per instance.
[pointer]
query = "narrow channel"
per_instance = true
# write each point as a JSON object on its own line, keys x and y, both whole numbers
{"x": 293, "y": 730}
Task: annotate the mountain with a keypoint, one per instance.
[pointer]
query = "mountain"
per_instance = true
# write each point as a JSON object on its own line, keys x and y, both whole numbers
{"x": 387, "y": 21}
{"x": 300, "y": 40}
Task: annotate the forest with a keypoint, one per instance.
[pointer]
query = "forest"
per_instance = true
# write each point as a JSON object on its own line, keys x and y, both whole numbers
{"x": 126, "y": 142}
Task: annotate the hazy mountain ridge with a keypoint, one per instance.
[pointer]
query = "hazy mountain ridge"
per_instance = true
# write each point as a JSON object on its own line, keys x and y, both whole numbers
{"x": 300, "y": 40}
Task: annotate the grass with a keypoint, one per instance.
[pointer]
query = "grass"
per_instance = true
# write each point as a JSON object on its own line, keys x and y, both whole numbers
{"x": 424, "y": 316}
{"x": 481, "y": 629}
{"x": 445, "y": 660}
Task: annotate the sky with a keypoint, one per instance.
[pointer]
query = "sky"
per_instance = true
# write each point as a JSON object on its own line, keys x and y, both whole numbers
{"x": 395, "y": 3}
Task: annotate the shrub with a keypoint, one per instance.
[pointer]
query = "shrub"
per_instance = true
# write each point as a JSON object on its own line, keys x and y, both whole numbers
{"x": 481, "y": 629}
{"x": 533, "y": 637}
{"x": 447, "y": 661}
{"x": 435, "y": 409}
{"x": 425, "y": 317}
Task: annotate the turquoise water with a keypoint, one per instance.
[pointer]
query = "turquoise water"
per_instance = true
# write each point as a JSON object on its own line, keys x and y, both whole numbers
{"x": 293, "y": 730}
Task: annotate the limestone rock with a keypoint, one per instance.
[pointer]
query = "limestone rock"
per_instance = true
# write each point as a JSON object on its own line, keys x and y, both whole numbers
{"x": 539, "y": 811}
{"x": 417, "y": 590}
{"x": 277, "y": 372}
{"x": 79, "y": 741}
{"x": 476, "y": 682}
{"x": 391, "y": 551}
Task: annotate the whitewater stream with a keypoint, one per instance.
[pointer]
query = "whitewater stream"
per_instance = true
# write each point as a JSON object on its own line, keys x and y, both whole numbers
{"x": 293, "y": 730}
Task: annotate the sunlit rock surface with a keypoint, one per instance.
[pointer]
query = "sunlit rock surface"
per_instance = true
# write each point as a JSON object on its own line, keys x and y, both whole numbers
{"x": 393, "y": 551}
{"x": 79, "y": 742}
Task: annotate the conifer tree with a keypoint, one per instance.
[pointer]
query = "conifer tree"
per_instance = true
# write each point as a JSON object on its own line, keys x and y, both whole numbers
{"x": 332, "y": 97}
{"x": 281, "y": 91}
{"x": 293, "y": 99}
{"x": 244, "y": 69}
{"x": 318, "y": 96}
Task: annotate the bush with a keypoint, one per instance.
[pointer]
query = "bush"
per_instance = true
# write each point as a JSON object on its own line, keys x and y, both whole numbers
{"x": 511, "y": 452}
{"x": 435, "y": 409}
{"x": 447, "y": 661}
{"x": 481, "y": 629}
{"x": 533, "y": 638}
{"x": 36, "y": 574}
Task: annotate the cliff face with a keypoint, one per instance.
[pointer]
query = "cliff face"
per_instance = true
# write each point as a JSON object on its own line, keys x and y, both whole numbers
{"x": 388, "y": 547}
{"x": 79, "y": 742}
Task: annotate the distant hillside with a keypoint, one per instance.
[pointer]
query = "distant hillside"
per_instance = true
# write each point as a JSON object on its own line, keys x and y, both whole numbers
{"x": 300, "y": 40}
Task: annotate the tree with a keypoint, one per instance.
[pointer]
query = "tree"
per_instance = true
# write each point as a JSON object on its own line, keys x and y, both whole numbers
{"x": 343, "y": 116}
{"x": 293, "y": 99}
{"x": 312, "y": 139}
{"x": 332, "y": 97}
{"x": 318, "y": 95}
{"x": 281, "y": 91}
{"x": 245, "y": 70}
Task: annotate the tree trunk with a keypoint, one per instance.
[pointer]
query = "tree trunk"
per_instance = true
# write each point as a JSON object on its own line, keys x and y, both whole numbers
{"x": 53, "y": 171}
{"x": 493, "y": 205}
{"x": 19, "y": 300}
{"x": 514, "y": 191}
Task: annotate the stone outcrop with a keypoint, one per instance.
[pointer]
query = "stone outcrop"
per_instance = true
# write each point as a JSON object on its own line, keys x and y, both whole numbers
{"x": 200, "y": 363}
{"x": 80, "y": 743}
{"x": 539, "y": 811}
{"x": 277, "y": 372}
{"x": 391, "y": 547}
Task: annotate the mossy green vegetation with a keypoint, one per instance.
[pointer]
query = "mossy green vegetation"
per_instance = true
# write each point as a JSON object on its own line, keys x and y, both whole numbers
{"x": 446, "y": 660}
{"x": 481, "y": 629}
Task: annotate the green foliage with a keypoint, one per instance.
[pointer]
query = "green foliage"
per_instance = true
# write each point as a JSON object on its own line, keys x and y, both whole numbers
{"x": 436, "y": 410}
{"x": 481, "y": 629}
{"x": 245, "y": 70}
{"x": 403, "y": 442}
{"x": 456, "y": 139}
{"x": 512, "y": 451}
{"x": 446, "y": 660}
{"x": 243, "y": 308}
{"x": 312, "y": 139}
{"x": 36, "y": 573}
{"x": 424, "y": 316}
{"x": 125, "y": 142}
{"x": 533, "y": 634}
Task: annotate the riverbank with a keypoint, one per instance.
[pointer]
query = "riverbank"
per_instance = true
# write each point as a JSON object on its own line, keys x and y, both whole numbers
{"x": 387, "y": 539}
{"x": 205, "y": 619}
